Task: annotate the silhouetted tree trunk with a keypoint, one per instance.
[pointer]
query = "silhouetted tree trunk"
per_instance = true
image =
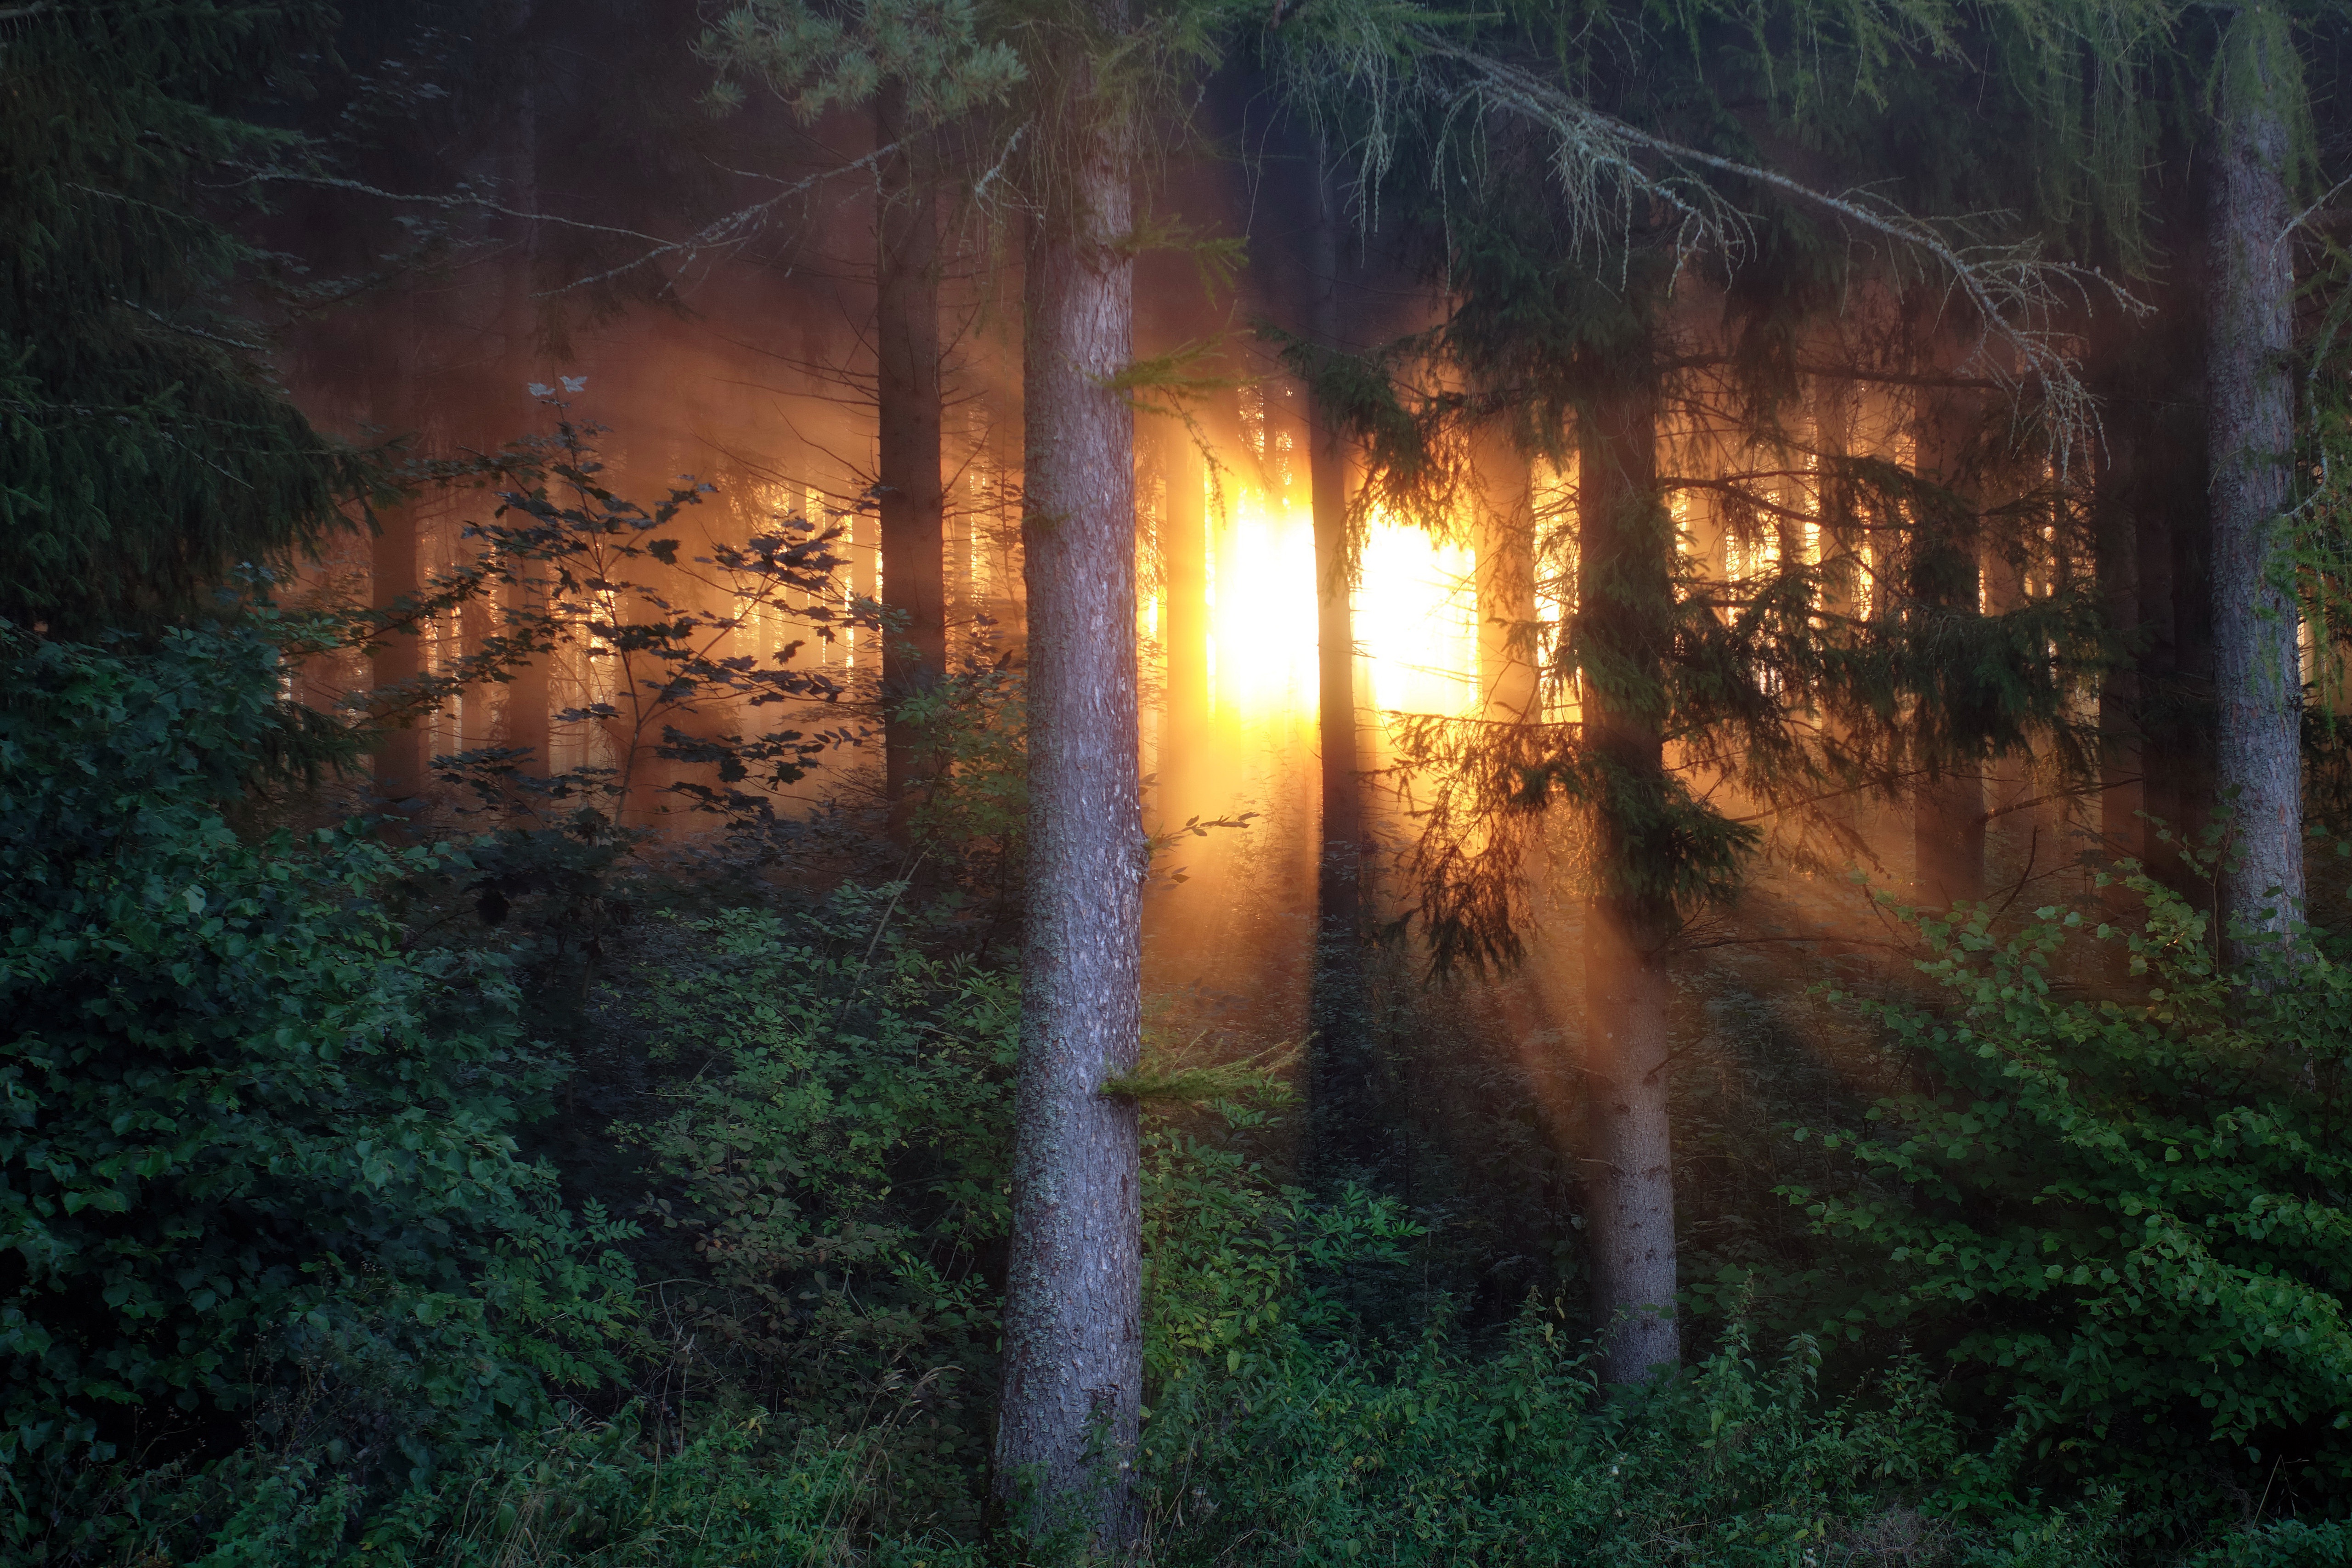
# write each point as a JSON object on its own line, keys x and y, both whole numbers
{"x": 2149, "y": 527}
{"x": 913, "y": 505}
{"x": 1072, "y": 1368}
{"x": 1845, "y": 586}
{"x": 2123, "y": 794}
{"x": 399, "y": 761}
{"x": 1625, "y": 615}
{"x": 1948, "y": 810}
{"x": 1343, "y": 1101}
{"x": 2257, "y": 671}
{"x": 528, "y": 694}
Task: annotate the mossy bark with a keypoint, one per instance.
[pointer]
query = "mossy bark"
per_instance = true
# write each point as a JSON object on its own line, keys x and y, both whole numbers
{"x": 2257, "y": 663}
{"x": 1073, "y": 1367}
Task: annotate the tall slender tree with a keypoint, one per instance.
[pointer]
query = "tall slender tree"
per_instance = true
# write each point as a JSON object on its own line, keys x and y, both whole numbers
{"x": 1504, "y": 546}
{"x": 907, "y": 395}
{"x": 1073, "y": 1367}
{"x": 1344, "y": 1104}
{"x": 2258, "y": 668}
{"x": 1944, "y": 553}
{"x": 1625, "y": 622}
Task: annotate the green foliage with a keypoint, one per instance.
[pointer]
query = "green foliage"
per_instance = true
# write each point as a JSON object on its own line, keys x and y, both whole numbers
{"x": 144, "y": 451}
{"x": 606, "y": 1494}
{"x": 1286, "y": 1426}
{"x": 976, "y": 815}
{"x": 2124, "y": 1216}
{"x": 818, "y": 56}
{"x": 251, "y": 1134}
{"x": 1314, "y": 1451}
{"x": 837, "y": 1158}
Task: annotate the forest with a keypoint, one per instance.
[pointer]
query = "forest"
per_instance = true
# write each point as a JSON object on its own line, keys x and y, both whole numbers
{"x": 956, "y": 783}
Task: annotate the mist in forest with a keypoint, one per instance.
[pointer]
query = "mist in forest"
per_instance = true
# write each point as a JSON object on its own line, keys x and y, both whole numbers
{"x": 914, "y": 783}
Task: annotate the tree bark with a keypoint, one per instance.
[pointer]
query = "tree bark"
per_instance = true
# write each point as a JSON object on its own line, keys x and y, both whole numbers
{"x": 2257, "y": 670}
{"x": 1073, "y": 1365}
{"x": 1624, "y": 611}
{"x": 913, "y": 504}
{"x": 2122, "y": 750}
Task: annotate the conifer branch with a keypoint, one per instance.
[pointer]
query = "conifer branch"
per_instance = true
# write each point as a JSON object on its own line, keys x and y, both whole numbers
{"x": 2012, "y": 288}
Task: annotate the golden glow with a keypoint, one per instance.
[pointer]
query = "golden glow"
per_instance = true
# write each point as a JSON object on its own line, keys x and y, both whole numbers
{"x": 1416, "y": 617}
{"x": 1261, "y": 592}
{"x": 1417, "y": 622}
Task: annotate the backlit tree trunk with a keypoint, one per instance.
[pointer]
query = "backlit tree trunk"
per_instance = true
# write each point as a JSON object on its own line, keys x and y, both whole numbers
{"x": 1072, "y": 1366}
{"x": 399, "y": 770}
{"x": 2122, "y": 755}
{"x": 1624, "y": 612}
{"x": 1343, "y": 1099}
{"x": 2257, "y": 665}
{"x": 914, "y": 583}
{"x": 524, "y": 717}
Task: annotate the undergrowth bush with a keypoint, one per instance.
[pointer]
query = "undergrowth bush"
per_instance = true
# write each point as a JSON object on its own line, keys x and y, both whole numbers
{"x": 2124, "y": 1219}
{"x": 577, "y": 1494}
{"x": 834, "y": 1143}
{"x": 257, "y": 1160}
{"x": 1285, "y": 1428}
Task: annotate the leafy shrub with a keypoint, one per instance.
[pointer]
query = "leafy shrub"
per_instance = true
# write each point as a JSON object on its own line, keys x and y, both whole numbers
{"x": 835, "y": 1147}
{"x": 1282, "y": 1430}
{"x": 2128, "y": 1219}
{"x": 250, "y": 1136}
{"x": 1312, "y": 1451}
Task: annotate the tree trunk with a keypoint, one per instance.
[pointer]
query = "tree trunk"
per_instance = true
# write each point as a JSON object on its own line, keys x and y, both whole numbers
{"x": 400, "y": 753}
{"x": 1343, "y": 1098}
{"x": 2122, "y": 751}
{"x": 913, "y": 506}
{"x": 2155, "y": 730}
{"x": 1624, "y": 611}
{"x": 1948, "y": 810}
{"x": 399, "y": 758}
{"x": 2257, "y": 669}
{"x": 1073, "y": 1367}
{"x": 524, "y": 723}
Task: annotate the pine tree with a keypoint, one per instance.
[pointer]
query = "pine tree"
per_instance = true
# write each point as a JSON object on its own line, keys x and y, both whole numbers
{"x": 145, "y": 454}
{"x": 1603, "y": 301}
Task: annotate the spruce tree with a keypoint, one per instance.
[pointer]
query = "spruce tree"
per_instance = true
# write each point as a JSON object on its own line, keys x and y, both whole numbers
{"x": 1633, "y": 277}
{"x": 145, "y": 453}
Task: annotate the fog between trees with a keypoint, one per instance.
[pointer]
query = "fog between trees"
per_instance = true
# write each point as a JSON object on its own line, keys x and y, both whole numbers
{"x": 1107, "y": 780}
